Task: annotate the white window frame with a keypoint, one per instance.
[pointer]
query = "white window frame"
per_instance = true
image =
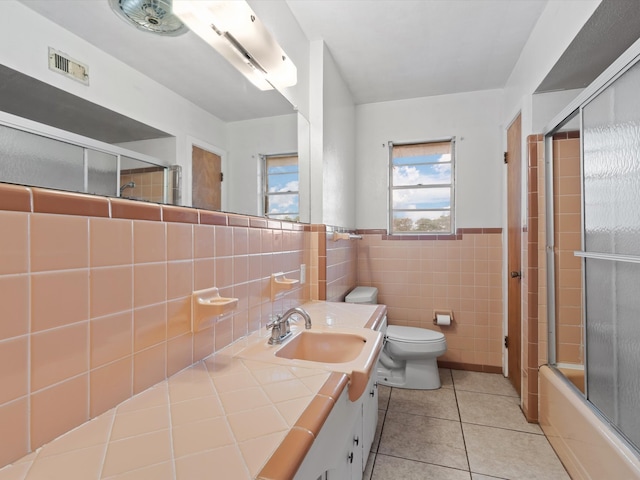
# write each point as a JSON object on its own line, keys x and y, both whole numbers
{"x": 264, "y": 158}
{"x": 452, "y": 186}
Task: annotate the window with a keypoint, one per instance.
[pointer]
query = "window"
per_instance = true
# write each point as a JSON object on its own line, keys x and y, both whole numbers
{"x": 281, "y": 196}
{"x": 422, "y": 187}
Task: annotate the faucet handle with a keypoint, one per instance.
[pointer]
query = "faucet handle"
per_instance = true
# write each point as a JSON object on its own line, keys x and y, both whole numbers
{"x": 274, "y": 322}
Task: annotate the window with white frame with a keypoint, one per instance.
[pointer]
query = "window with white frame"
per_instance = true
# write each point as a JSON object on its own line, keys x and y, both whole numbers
{"x": 421, "y": 187}
{"x": 280, "y": 187}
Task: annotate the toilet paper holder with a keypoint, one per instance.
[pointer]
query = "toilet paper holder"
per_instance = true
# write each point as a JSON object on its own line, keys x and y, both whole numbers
{"x": 447, "y": 313}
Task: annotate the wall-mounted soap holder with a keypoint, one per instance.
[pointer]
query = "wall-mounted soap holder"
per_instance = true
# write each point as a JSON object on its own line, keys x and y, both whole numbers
{"x": 207, "y": 305}
{"x": 345, "y": 236}
{"x": 280, "y": 284}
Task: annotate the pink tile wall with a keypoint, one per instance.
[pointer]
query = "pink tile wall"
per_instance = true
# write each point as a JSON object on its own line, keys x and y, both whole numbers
{"x": 530, "y": 265}
{"x": 416, "y": 277}
{"x": 567, "y": 239}
{"x": 341, "y": 267}
{"x": 94, "y": 310}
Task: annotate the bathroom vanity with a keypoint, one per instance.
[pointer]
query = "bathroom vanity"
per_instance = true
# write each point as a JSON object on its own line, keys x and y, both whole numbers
{"x": 342, "y": 446}
{"x": 236, "y": 416}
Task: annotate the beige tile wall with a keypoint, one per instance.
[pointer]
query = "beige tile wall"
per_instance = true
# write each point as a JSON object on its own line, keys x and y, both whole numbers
{"x": 149, "y": 184}
{"x": 416, "y": 277}
{"x": 567, "y": 239}
{"x": 94, "y": 310}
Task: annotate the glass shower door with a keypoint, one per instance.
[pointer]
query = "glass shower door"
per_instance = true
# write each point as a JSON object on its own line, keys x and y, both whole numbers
{"x": 611, "y": 156}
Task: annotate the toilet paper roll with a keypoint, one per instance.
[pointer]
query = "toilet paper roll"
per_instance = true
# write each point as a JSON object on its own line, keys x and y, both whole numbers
{"x": 443, "y": 319}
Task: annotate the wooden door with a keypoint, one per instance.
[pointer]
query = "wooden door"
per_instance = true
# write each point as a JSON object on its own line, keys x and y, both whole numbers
{"x": 206, "y": 179}
{"x": 514, "y": 208}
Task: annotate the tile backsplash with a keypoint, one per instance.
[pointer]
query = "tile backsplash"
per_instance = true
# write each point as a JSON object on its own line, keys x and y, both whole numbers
{"x": 95, "y": 309}
{"x": 462, "y": 273}
{"x": 95, "y": 296}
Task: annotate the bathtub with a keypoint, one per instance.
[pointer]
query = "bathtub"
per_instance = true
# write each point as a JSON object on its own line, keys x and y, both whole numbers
{"x": 587, "y": 446}
{"x": 574, "y": 373}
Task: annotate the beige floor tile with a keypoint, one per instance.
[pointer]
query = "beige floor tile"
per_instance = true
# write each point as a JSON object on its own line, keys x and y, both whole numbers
{"x": 376, "y": 437}
{"x": 494, "y": 411}
{"x": 439, "y": 403}
{"x": 477, "y": 476}
{"x": 508, "y": 454}
{"x": 392, "y": 468}
{"x": 384, "y": 393}
{"x": 445, "y": 377}
{"x": 482, "y": 382}
{"x": 425, "y": 439}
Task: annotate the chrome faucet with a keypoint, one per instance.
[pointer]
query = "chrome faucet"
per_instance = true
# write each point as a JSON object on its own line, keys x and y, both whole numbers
{"x": 300, "y": 311}
{"x": 281, "y": 328}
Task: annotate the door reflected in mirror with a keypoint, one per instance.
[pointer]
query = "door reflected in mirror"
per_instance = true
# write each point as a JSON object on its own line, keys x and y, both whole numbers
{"x": 206, "y": 179}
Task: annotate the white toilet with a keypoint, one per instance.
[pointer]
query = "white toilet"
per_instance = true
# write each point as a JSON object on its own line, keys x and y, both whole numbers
{"x": 408, "y": 359}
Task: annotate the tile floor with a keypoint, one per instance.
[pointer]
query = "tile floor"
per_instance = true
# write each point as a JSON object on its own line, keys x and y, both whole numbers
{"x": 470, "y": 429}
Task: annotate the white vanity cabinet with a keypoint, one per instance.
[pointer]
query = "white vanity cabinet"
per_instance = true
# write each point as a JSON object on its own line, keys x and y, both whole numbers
{"x": 341, "y": 450}
{"x": 369, "y": 418}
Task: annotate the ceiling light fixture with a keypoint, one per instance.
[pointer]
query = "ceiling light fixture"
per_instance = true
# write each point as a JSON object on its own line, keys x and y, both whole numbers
{"x": 149, "y": 15}
{"x": 234, "y": 30}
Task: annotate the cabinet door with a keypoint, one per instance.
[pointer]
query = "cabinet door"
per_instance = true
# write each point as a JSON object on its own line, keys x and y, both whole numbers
{"x": 350, "y": 466}
{"x": 370, "y": 418}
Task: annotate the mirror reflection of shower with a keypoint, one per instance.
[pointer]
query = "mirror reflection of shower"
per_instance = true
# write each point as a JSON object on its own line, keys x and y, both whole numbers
{"x": 127, "y": 185}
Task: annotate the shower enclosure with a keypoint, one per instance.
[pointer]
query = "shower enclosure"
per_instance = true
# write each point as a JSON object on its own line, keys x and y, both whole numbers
{"x": 593, "y": 249}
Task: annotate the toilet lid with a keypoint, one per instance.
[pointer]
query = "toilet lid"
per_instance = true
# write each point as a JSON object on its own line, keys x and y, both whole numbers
{"x": 413, "y": 334}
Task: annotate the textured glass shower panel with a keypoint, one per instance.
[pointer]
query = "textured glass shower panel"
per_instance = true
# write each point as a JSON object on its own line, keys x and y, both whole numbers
{"x": 30, "y": 159}
{"x": 613, "y": 354}
{"x": 628, "y": 349}
{"x": 601, "y": 358}
{"x": 611, "y": 139}
{"x": 102, "y": 173}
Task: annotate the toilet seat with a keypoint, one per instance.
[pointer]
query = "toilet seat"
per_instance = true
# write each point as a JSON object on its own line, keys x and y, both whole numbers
{"x": 413, "y": 335}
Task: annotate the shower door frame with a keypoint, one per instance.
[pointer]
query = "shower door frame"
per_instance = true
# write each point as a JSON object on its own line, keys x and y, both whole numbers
{"x": 618, "y": 68}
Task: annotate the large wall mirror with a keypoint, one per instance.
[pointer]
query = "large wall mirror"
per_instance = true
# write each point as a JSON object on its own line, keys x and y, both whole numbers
{"x": 130, "y": 154}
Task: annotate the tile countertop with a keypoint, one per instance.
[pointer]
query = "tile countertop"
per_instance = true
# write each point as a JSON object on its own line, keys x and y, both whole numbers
{"x": 222, "y": 417}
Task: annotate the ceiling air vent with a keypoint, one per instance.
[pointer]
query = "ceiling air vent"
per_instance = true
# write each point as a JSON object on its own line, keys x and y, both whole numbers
{"x": 62, "y": 63}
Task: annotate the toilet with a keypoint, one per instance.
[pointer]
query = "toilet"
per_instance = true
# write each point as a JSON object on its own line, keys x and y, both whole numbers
{"x": 408, "y": 359}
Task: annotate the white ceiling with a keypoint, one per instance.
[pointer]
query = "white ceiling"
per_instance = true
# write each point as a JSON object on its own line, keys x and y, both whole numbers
{"x": 385, "y": 49}
{"x": 396, "y": 49}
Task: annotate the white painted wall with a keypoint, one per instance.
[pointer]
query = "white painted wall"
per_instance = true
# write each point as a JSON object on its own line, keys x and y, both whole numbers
{"x": 316, "y": 139}
{"x": 547, "y": 105}
{"x": 161, "y": 148}
{"x": 558, "y": 25}
{"x": 247, "y": 140}
{"x": 339, "y": 151}
{"x": 474, "y": 118}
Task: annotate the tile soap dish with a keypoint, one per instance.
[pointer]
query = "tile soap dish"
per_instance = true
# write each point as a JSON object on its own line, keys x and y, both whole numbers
{"x": 207, "y": 305}
{"x": 280, "y": 284}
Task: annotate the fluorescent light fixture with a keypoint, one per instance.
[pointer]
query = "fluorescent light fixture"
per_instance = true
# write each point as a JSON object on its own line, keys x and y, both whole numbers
{"x": 234, "y": 30}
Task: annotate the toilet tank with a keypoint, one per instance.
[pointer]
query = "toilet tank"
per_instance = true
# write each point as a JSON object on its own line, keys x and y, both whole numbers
{"x": 363, "y": 295}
